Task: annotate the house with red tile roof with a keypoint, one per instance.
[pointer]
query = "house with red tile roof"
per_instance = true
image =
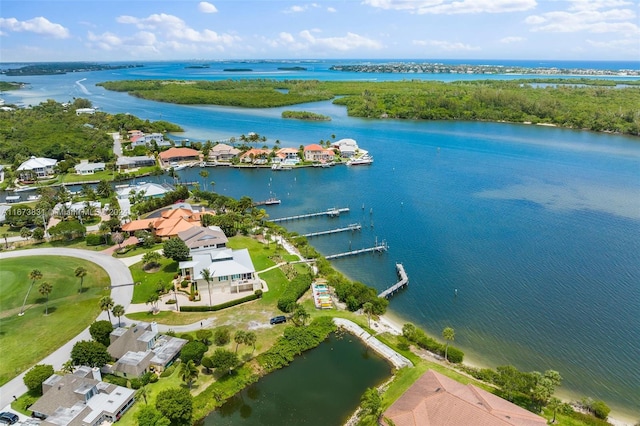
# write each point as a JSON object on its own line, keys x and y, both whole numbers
{"x": 255, "y": 156}
{"x": 169, "y": 224}
{"x": 179, "y": 154}
{"x": 315, "y": 152}
{"x": 435, "y": 399}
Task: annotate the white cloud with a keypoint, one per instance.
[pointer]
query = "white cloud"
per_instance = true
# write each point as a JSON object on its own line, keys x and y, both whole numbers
{"x": 512, "y": 39}
{"x": 39, "y": 25}
{"x": 286, "y": 37}
{"x": 454, "y": 6}
{"x": 349, "y": 42}
{"x": 445, "y": 45}
{"x": 171, "y": 28}
{"x": 623, "y": 44}
{"x": 206, "y": 7}
{"x": 589, "y": 20}
{"x": 596, "y": 4}
{"x": 332, "y": 9}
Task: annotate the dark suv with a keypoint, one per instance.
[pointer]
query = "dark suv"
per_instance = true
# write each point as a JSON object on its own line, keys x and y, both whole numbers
{"x": 8, "y": 418}
{"x": 278, "y": 320}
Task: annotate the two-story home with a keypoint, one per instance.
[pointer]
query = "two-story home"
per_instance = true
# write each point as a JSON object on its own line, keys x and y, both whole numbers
{"x": 232, "y": 270}
{"x": 177, "y": 155}
{"x": 223, "y": 152}
{"x": 287, "y": 156}
{"x": 255, "y": 156}
{"x": 36, "y": 168}
{"x": 316, "y": 153}
{"x": 347, "y": 147}
{"x": 81, "y": 399}
{"x": 140, "y": 348}
{"x": 146, "y": 139}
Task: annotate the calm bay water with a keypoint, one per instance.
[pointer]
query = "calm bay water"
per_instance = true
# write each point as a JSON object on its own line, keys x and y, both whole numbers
{"x": 536, "y": 227}
{"x": 321, "y": 387}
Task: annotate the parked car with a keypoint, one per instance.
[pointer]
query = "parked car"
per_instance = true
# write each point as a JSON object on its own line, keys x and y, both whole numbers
{"x": 278, "y": 320}
{"x": 8, "y": 418}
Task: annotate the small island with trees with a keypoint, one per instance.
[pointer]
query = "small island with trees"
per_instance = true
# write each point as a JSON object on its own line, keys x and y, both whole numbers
{"x": 305, "y": 115}
{"x": 55, "y": 68}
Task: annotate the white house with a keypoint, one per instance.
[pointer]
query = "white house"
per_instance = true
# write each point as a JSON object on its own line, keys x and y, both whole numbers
{"x": 145, "y": 139}
{"x": 39, "y": 167}
{"x": 85, "y": 111}
{"x": 86, "y": 168}
{"x": 223, "y": 152}
{"x": 232, "y": 270}
{"x": 347, "y": 147}
{"x": 124, "y": 163}
{"x": 148, "y": 190}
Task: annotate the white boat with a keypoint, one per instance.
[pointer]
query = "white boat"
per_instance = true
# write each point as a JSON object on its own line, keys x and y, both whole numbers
{"x": 364, "y": 160}
{"x": 272, "y": 201}
{"x": 176, "y": 166}
{"x": 279, "y": 167}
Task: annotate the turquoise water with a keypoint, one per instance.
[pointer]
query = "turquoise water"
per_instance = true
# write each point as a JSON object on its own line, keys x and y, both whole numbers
{"x": 321, "y": 387}
{"x": 537, "y": 227}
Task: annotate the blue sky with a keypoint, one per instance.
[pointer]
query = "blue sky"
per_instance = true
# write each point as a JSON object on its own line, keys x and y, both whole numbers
{"x": 136, "y": 30}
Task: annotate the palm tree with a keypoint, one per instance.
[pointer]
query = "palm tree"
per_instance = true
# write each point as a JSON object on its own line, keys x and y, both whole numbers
{"x": 554, "y": 404}
{"x": 240, "y": 337}
{"x": 153, "y": 301}
{"x": 250, "y": 339}
{"x": 118, "y": 238}
{"x": 208, "y": 277}
{"x": 105, "y": 230}
{"x": 204, "y": 175}
{"x": 45, "y": 290}
{"x": 449, "y": 335}
{"x": 106, "y": 303}
{"x": 118, "y": 311}
{"x": 68, "y": 366}
{"x": 35, "y": 275}
{"x": 367, "y": 308}
{"x": 80, "y": 272}
{"x": 188, "y": 372}
{"x": 6, "y": 242}
{"x": 142, "y": 393}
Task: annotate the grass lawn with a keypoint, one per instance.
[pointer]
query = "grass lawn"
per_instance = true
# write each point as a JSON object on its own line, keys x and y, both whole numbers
{"x": 149, "y": 280}
{"x": 27, "y": 339}
{"x": 73, "y": 178}
{"x": 9, "y": 231}
{"x": 78, "y": 243}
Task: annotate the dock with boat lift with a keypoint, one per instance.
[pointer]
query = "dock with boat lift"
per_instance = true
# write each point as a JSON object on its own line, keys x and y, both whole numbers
{"x": 404, "y": 281}
{"x": 352, "y": 227}
{"x": 329, "y": 212}
{"x": 378, "y": 247}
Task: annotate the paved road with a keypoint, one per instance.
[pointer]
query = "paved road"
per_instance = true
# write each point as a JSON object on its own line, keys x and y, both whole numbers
{"x": 119, "y": 275}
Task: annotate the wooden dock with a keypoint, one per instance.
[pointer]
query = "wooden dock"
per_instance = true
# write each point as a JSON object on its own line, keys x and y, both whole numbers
{"x": 329, "y": 212}
{"x": 352, "y": 227}
{"x": 404, "y": 280}
{"x": 382, "y": 247}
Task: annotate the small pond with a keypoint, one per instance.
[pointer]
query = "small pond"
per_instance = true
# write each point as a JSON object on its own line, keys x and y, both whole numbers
{"x": 321, "y": 387}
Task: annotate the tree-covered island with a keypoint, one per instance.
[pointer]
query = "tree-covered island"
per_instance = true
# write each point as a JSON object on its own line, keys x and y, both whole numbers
{"x": 62, "y": 68}
{"x": 570, "y": 104}
{"x": 305, "y": 115}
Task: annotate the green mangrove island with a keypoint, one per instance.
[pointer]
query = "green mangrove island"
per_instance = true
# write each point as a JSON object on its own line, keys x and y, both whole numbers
{"x": 305, "y": 115}
{"x": 571, "y": 104}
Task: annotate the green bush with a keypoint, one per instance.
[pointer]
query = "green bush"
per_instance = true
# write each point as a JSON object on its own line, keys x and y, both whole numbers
{"x": 294, "y": 290}
{"x": 220, "y": 306}
{"x": 222, "y": 336}
{"x": 96, "y": 239}
{"x": 135, "y": 383}
{"x": 600, "y": 409}
{"x": 34, "y": 378}
{"x": 168, "y": 371}
{"x": 116, "y": 380}
{"x": 455, "y": 355}
{"x": 193, "y": 351}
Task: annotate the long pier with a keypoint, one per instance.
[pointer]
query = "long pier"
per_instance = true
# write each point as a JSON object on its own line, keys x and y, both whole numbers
{"x": 328, "y": 212}
{"x": 382, "y": 247}
{"x": 352, "y": 227}
{"x": 404, "y": 280}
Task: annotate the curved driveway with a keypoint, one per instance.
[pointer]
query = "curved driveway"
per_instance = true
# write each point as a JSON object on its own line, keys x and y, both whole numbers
{"x": 121, "y": 293}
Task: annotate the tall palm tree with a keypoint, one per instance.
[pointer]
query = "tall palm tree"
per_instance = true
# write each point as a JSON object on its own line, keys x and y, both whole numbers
{"x": 449, "y": 335}
{"x": 250, "y": 339}
{"x": 118, "y": 311}
{"x": 208, "y": 277}
{"x": 45, "y": 290}
{"x": 142, "y": 393}
{"x": 80, "y": 272}
{"x": 239, "y": 338}
{"x": 188, "y": 372}
{"x": 35, "y": 275}
{"x": 204, "y": 175}
{"x": 106, "y": 303}
{"x": 367, "y": 308}
{"x": 6, "y": 242}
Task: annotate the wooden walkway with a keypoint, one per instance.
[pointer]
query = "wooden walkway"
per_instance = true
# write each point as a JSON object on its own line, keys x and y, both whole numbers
{"x": 382, "y": 247}
{"x": 404, "y": 280}
{"x": 352, "y": 227}
{"x": 330, "y": 212}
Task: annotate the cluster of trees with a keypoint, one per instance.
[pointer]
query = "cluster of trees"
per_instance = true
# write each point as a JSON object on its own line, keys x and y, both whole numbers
{"x": 305, "y": 115}
{"x": 419, "y": 338}
{"x": 294, "y": 291}
{"x": 258, "y": 93}
{"x": 140, "y": 207}
{"x": 294, "y": 341}
{"x": 356, "y": 294}
{"x": 598, "y": 108}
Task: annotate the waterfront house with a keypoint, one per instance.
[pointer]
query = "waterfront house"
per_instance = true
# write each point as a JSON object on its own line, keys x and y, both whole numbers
{"x": 223, "y": 152}
{"x": 232, "y": 270}
{"x": 90, "y": 111}
{"x": 147, "y": 190}
{"x": 127, "y": 163}
{"x": 316, "y": 153}
{"x": 169, "y": 224}
{"x": 81, "y": 399}
{"x": 347, "y": 147}
{"x": 36, "y": 168}
{"x": 86, "y": 168}
{"x": 288, "y": 156}
{"x": 141, "y": 348}
{"x": 144, "y": 139}
{"x": 179, "y": 155}
{"x": 435, "y": 399}
{"x": 255, "y": 156}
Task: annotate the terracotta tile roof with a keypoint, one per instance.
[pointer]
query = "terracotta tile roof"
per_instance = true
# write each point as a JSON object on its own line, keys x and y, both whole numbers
{"x": 178, "y": 153}
{"x": 168, "y": 225}
{"x": 436, "y": 400}
{"x": 313, "y": 147}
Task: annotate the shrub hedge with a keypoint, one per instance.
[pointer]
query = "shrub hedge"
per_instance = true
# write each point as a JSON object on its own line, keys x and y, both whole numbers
{"x": 220, "y": 306}
{"x": 417, "y": 336}
{"x": 295, "y": 289}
